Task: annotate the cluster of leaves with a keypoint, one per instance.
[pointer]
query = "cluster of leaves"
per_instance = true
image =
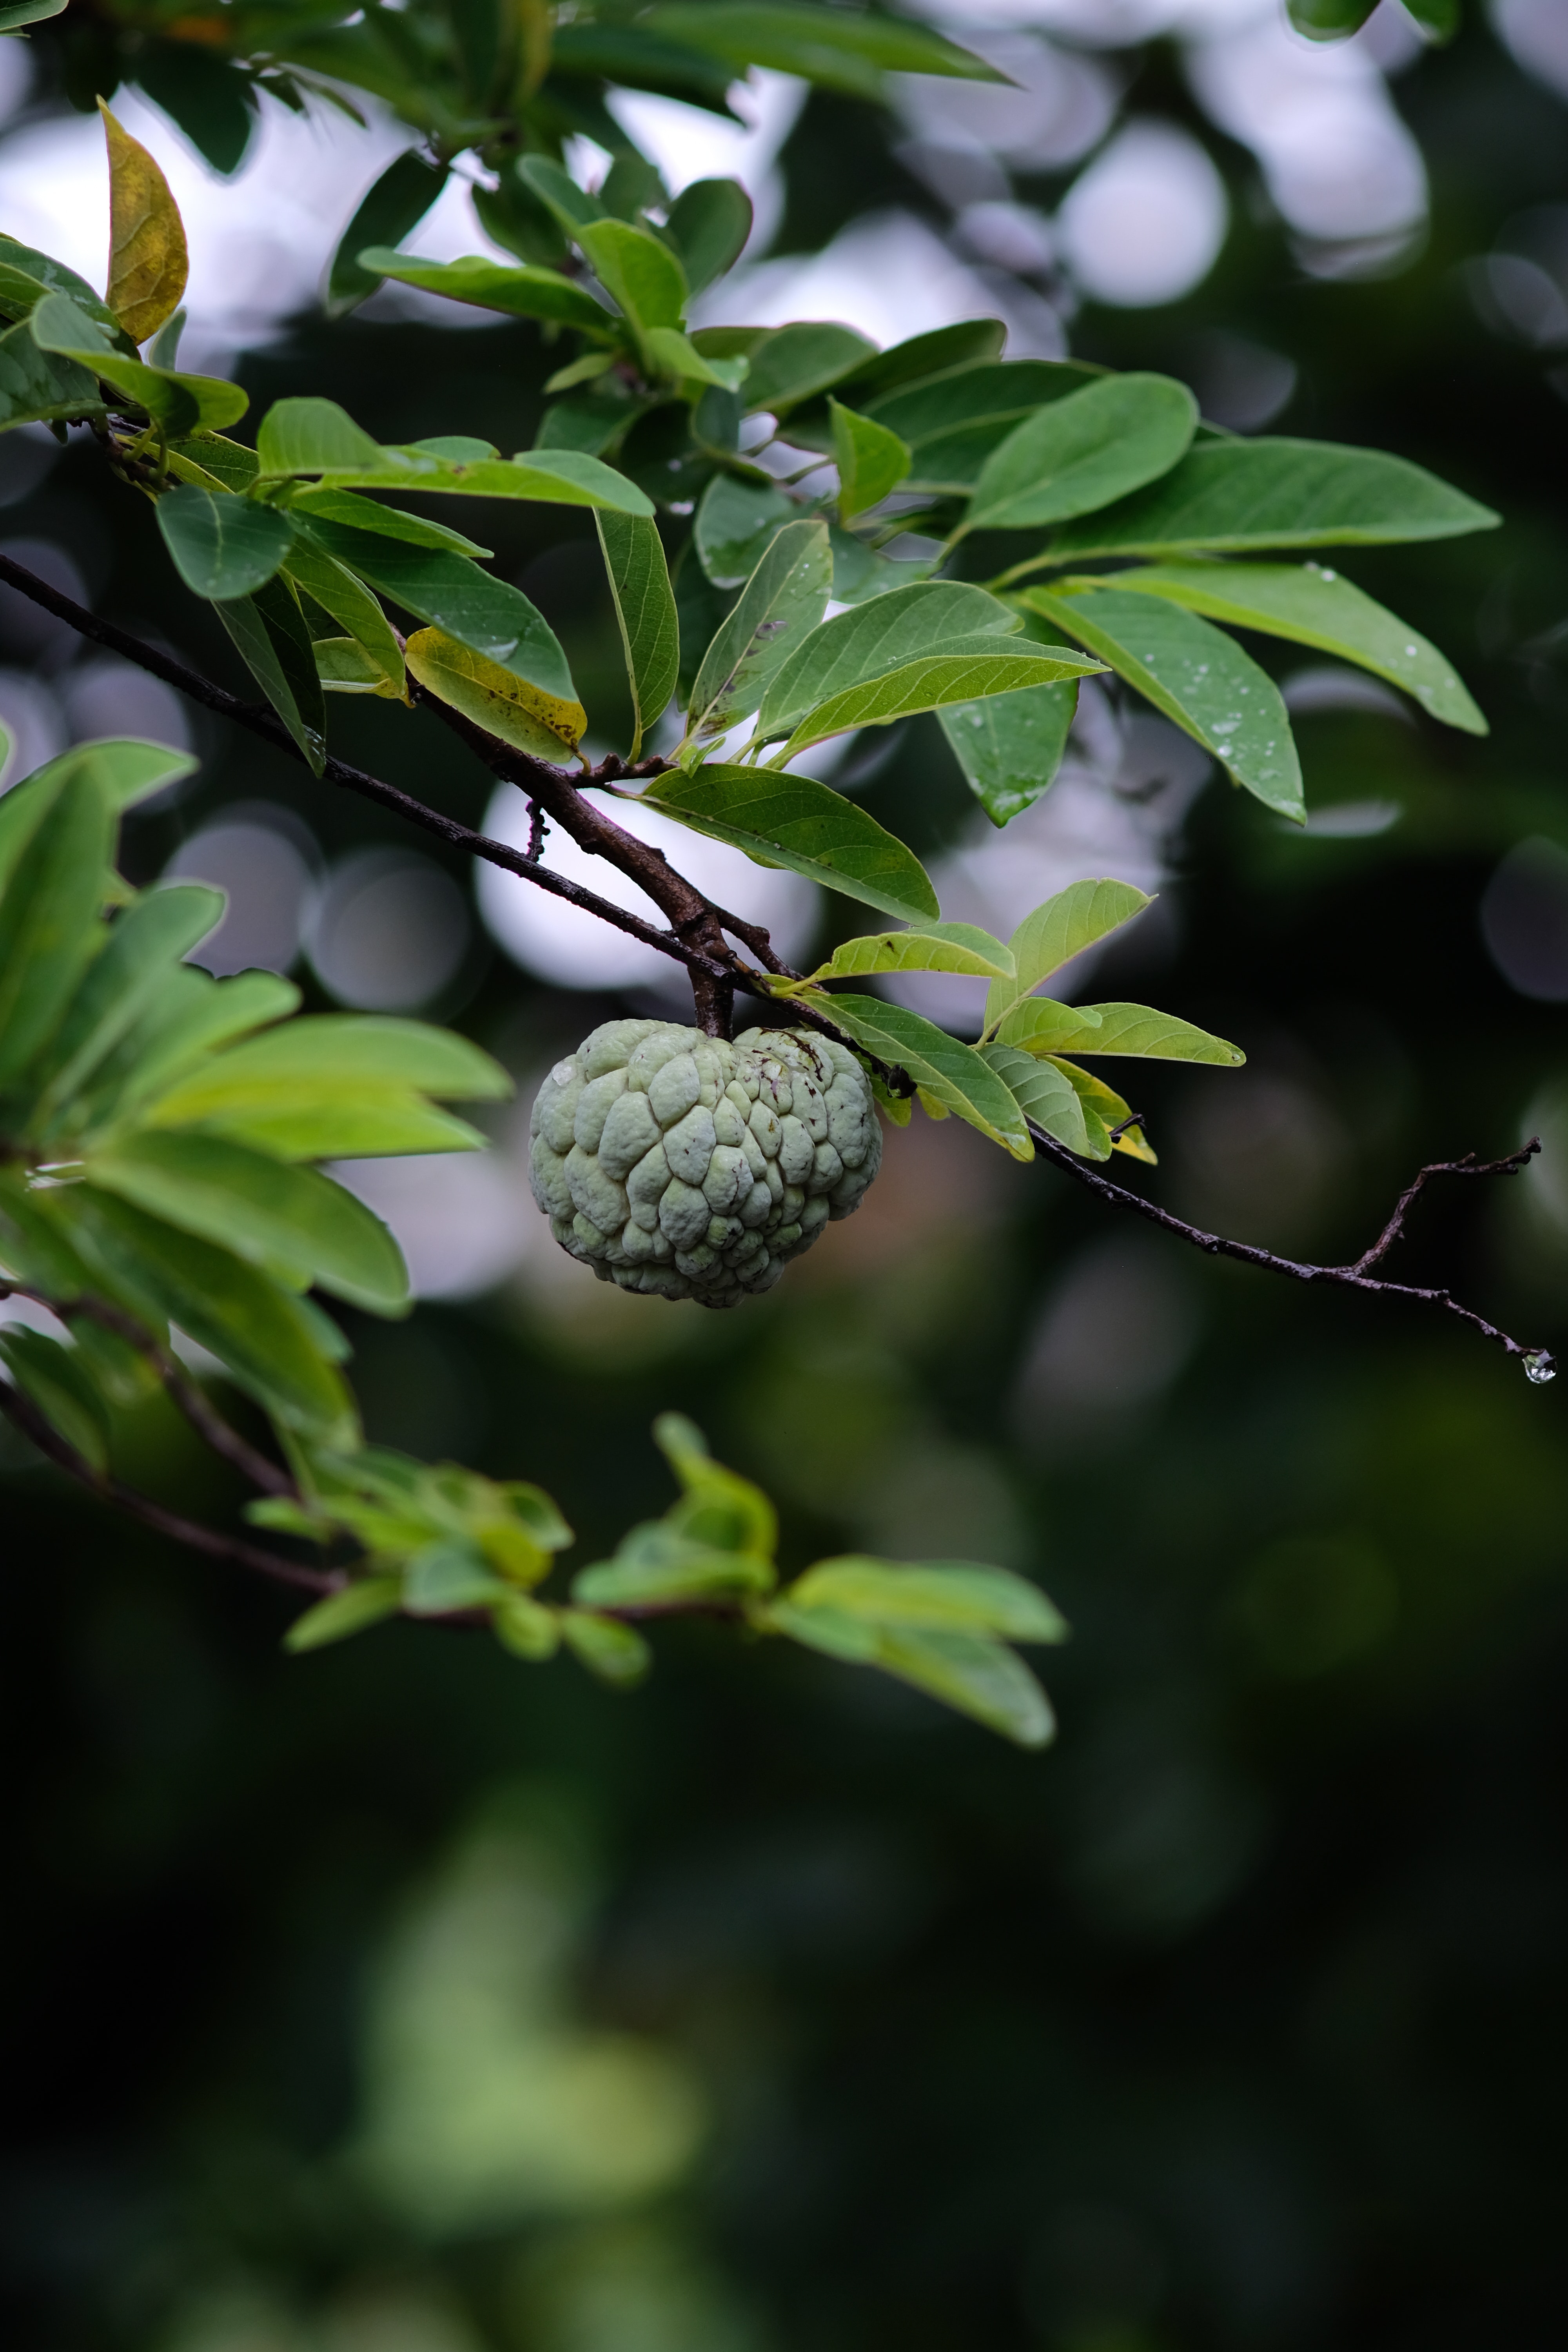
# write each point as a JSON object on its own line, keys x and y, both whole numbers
{"x": 439, "y": 1541}
{"x": 722, "y": 570}
{"x": 158, "y": 1128}
{"x": 498, "y": 79}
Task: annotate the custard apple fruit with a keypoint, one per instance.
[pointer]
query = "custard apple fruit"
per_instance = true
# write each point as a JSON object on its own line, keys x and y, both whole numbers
{"x": 679, "y": 1165}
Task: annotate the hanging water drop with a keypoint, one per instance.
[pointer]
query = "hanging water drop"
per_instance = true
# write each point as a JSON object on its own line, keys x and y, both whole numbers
{"x": 1540, "y": 1367}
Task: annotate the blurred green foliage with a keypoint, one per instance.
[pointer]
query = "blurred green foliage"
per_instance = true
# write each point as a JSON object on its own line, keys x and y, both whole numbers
{"x": 773, "y": 2009}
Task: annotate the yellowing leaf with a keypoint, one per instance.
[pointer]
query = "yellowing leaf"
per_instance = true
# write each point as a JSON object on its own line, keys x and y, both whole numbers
{"x": 525, "y": 716}
{"x": 148, "y": 263}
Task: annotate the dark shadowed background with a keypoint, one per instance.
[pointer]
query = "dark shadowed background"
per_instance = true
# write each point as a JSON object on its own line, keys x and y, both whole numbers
{"x": 406, "y": 1999}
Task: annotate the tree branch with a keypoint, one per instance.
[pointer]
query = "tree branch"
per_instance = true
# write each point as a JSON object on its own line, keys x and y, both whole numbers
{"x": 20, "y": 1409}
{"x": 691, "y": 918}
{"x": 191, "y": 1400}
{"x": 257, "y": 719}
{"x": 1537, "y": 1361}
{"x": 695, "y": 940}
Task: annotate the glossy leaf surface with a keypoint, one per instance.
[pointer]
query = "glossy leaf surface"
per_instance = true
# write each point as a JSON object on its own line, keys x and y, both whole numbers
{"x": 1082, "y": 452}
{"x": 1198, "y": 676}
{"x": 1315, "y": 607}
{"x": 1236, "y": 496}
{"x": 645, "y": 611}
{"x": 794, "y": 822}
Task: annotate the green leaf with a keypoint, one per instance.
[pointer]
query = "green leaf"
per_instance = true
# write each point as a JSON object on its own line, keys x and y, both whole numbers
{"x": 859, "y": 573}
{"x": 978, "y": 1678}
{"x": 212, "y": 102}
{"x": 844, "y": 49}
{"x": 968, "y": 666}
{"x": 709, "y": 224}
{"x": 639, "y": 61}
{"x": 551, "y": 477}
{"x": 669, "y": 354}
{"x": 35, "y": 1247}
{"x": 123, "y": 980}
{"x": 1239, "y": 496}
{"x": 1329, "y": 20}
{"x": 179, "y": 403}
{"x": 390, "y": 209}
{"x": 27, "y": 275}
{"x": 1314, "y": 606}
{"x": 615, "y": 1652}
{"x": 213, "y": 462}
{"x": 123, "y": 767}
{"x": 571, "y": 204}
{"x": 451, "y": 594}
{"x": 267, "y": 1212}
{"x": 873, "y": 640}
{"x": 937, "y": 352}
{"x": 269, "y": 634}
{"x": 1079, "y": 452}
{"x": 29, "y": 11}
{"x": 336, "y": 1086}
{"x": 793, "y": 363}
{"x": 313, "y": 503}
{"x": 637, "y": 270}
{"x": 1438, "y": 19}
{"x": 872, "y": 461}
{"x": 952, "y": 422}
{"x": 941, "y": 1593}
{"x": 49, "y": 930}
{"x": 1010, "y": 746}
{"x": 935, "y": 947}
{"x": 361, "y": 1604}
{"x": 734, "y": 524}
{"x": 952, "y": 1072}
{"x": 1045, "y": 1097}
{"x": 1103, "y": 1110}
{"x": 259, "y": 1331}
{"x": 645, "y": 610}
{"x": 342, "y": 1046}
{"x": 806, "y": 826}
{"x": 516, "y": 292}
{"x": 1040, "y": 1027}
{"x": 350, "y": 603}
{"x": 547, "y": 726}
{"x": 50, "y": 1377}
{"x": 784, "y": 600}
{"x": 449, "y": 1574}
{"x": 222, "y": 546}
{"x": 192, "y": 1015}
{"x": 1197, "y": 677}
{"x": 718, "y": 1505}
{"x": 526, "y": 1628}
{"x": 36, "y": 389}
{"x": 148, "y": 263}
{"x": 313, "y": 436}
{"x": 1074, "y": 918}
{"x": 656, "y": 1564}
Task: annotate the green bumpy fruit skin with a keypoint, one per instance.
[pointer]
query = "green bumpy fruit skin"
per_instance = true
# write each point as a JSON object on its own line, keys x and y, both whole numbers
{"x": 691, "y": 1168}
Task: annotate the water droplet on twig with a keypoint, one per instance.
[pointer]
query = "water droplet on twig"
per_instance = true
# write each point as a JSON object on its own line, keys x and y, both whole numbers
{"x": 1540, "y": 1367}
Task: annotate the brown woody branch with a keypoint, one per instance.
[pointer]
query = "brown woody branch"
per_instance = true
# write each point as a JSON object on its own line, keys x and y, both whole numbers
{"x": 1356, "y": 1275}
{"x": 696, "y": 935}
{"x": 26, "y": 1416}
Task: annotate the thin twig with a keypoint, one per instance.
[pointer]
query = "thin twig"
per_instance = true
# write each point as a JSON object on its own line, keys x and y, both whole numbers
{"x": 24, "y": 1414}
{"x": 191, "y": 1400}
{"x": 259, "y": 720}
{"x": 1353, "y": 1276}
